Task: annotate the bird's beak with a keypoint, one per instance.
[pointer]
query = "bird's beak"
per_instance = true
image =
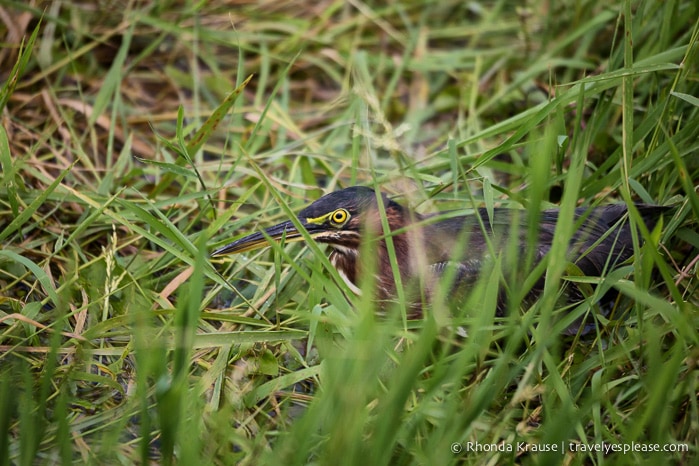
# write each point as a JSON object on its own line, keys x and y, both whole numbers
{"x": 285, "y": 230}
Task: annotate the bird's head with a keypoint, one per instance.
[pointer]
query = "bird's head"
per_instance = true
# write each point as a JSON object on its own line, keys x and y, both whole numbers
{"x": 337, "y": 218}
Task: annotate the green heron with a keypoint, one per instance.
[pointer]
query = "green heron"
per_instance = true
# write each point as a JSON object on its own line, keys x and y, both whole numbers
{"x": 427, "y": 246}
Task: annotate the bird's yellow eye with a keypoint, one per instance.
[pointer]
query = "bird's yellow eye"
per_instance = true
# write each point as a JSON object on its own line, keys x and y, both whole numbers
{"x": 339, "y": 217}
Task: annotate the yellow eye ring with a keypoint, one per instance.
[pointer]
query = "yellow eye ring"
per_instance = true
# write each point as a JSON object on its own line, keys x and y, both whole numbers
{"x": 339, "y": 217}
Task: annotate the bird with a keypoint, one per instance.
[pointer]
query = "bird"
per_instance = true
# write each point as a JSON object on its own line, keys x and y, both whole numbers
{"x": 430, "y": 246}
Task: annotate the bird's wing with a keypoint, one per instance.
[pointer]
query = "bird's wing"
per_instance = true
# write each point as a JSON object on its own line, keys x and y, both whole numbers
{"x": 457, "y": 273}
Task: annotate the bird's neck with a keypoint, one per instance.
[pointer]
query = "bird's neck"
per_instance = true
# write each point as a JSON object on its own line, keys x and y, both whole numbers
{"x": 409, "y": 248}
{"x": 345, "y": 262}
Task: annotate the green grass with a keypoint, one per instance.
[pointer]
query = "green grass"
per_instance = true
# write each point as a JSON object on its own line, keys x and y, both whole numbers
{"x": 131, "y": 144}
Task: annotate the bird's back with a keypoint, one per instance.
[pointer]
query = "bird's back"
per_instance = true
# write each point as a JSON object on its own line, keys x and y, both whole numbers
{"x": 601, "y": 240}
